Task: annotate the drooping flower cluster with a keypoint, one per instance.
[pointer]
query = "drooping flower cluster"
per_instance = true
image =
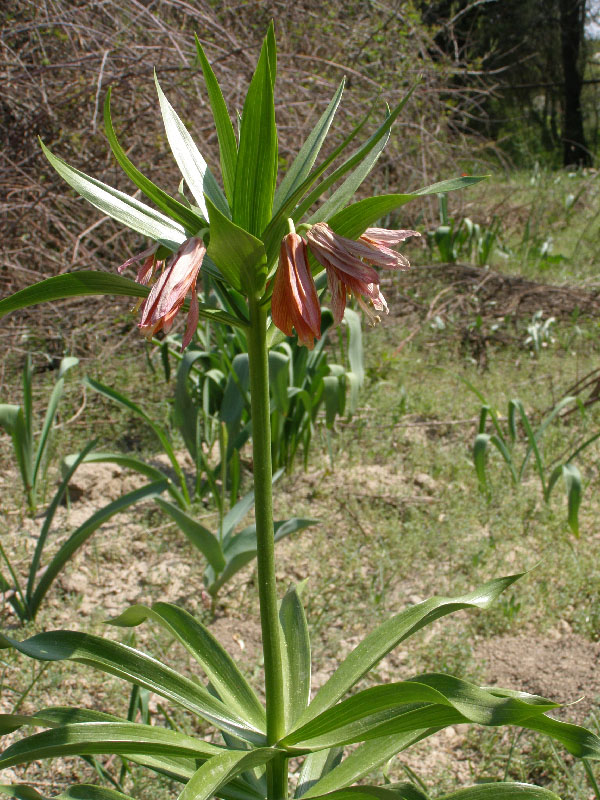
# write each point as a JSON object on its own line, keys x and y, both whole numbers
{"x": 169, "y": 291}
{"x": 349, "y": 265}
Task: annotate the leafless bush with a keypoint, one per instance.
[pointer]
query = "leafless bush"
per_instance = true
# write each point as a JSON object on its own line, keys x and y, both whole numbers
{"x": 58, "y": 57}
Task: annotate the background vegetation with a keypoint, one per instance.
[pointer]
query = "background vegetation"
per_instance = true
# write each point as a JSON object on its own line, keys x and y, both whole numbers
{"x": 395, "y": 487}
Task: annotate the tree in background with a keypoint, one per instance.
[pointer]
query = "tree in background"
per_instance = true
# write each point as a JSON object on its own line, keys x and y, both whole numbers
{"x": 533, "y": 54}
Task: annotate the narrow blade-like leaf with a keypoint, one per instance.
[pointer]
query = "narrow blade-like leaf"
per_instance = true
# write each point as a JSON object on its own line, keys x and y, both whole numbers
{"x": 118, "y": 205}
{"x": 221, "y": 769}
{"x": 225, "y": 133}
{"x": 295, "y": 656}
{"x": 203, "y": 540}
{"x": 189, "y": 159}
{"x": 136, "y": 667}
{"x": 173, "y": 208}
{"x": 218, "y": 665}
{"x": 257, "y": 153}
{"x": 385, "y": 638}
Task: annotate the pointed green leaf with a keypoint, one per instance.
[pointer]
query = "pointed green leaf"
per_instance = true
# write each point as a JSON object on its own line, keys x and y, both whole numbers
{"x": 88, "y": 282}
{"x": 203, "y": 540}
{"x": 225, "y": 134}
{"x": 91, "y": 738}
{"x": 344, "y": 193}
{"x": 239, "y": 255}
{"x": 373, "y": 712}
{"x": 174, "y": 209}
{"x": 354, "y": 220}
{"x": 221, "y": 769}
{"x": 572, "y": 478}
{"x": 303, "y": 163}
{"x": 364, "y": 760}
{"x": 389, "y": 635}
{"x": 295, "y": 656}
{"x": 136, "y": 667}
{"x": 218, "y": 665}
{"x": 125, "y": 209}
{"x": 257, "y": 154}
{"x": 189, "y": 159}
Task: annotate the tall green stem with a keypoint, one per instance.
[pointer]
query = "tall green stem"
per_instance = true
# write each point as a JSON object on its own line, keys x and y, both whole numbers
{"x": 267, "y": 590}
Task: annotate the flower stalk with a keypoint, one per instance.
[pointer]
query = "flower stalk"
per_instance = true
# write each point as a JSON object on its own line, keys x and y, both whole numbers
{"x": 267, "y": 590}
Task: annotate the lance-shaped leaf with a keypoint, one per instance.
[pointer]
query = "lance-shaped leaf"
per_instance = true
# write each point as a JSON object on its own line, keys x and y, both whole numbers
{"x": 203, "y": 540}
{"x": 94, "y": 738}
{"x": 88, "y": 282}
{"x": 364, "y": 760}
{"x": 354, "y": 220}
{"x": 120, "y": 206}
{"x": 221, "y": 769}
{"x": 240, "y": 549}
{"x": 295, "y": 656}
{"x": 136, "y": 667}
{"x": 80, "y": 536}
{"x": 389, "y": 635}
{"x": 220, "y": 668}
{"x": 239, "y": 255}
{"x": 376, "y": 711}
{"x": 173, "y": 208}
{"x": 303, "y": 163}
{"x": 189, "y": 159}
{"x": 257, "y": 153}
{"x": 225, "y": 134}
{"x": 344, "y": 193}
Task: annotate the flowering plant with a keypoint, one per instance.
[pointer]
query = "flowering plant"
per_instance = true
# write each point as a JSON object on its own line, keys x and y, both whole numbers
{"x": 245, "y": 236}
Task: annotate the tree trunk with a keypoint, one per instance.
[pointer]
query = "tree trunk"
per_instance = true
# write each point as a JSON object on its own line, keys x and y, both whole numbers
{"x": 572, "y": 18}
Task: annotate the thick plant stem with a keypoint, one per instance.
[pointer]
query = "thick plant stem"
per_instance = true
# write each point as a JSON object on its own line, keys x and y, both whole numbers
{"x": 267, "y": 591}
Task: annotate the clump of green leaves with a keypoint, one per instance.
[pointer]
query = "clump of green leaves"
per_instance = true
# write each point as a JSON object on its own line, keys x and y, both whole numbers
{"x": 462, "y": 239}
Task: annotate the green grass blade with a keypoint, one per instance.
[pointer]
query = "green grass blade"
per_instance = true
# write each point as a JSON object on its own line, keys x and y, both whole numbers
{"x": 480, "y": 446}
{"x": 389, "y": 635}
{"x": 202, "y": 539}
{"x": 224, "y": 128}
{"x": 189, "y": 159}
{"x": 303, "y": 163}
{"x": 65, "y": 364}
{"x": 257, "y": 153}
{"x": 173, "y": 208}
{"x": 574, "y": 489}
{"x": 220, "y": 668}
{"x": 136, "y": 667}
{"x": 83, "y": 533}
{"x": 295, "y": 656}
{"x": 120, "y": 206}
{"x": 34, "y": 565}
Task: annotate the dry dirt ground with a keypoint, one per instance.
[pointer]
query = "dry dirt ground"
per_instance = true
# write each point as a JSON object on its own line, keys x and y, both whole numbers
{"x": 125, "y": 563}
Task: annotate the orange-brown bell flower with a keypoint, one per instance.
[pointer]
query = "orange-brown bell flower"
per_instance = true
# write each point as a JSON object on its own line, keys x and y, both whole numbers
{"x": 295, "y": 303}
